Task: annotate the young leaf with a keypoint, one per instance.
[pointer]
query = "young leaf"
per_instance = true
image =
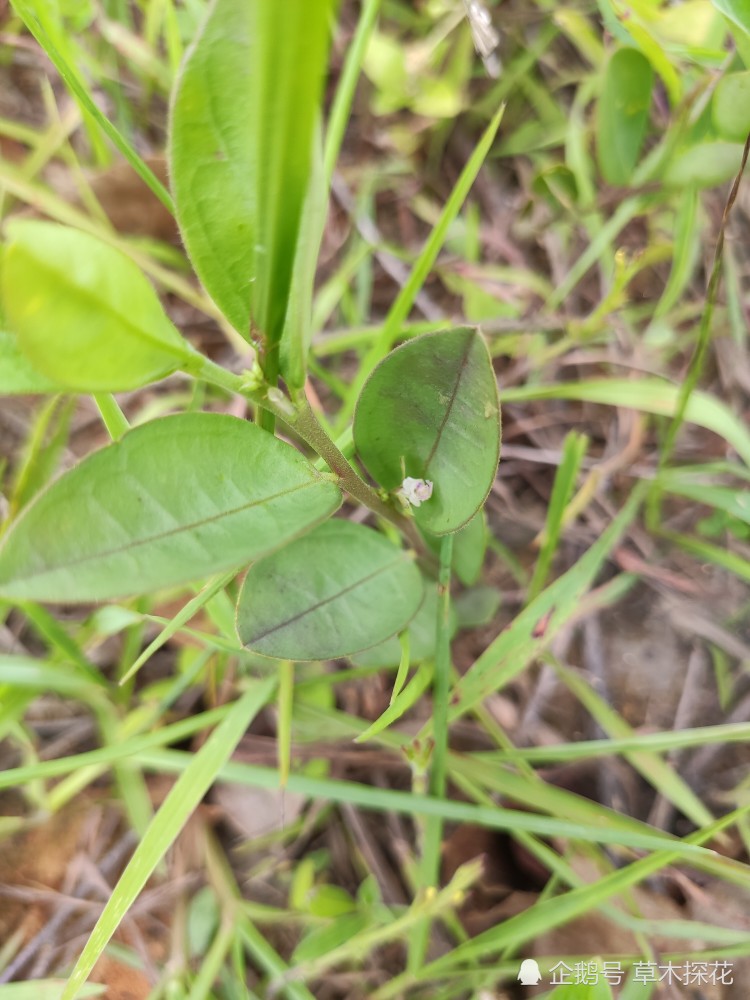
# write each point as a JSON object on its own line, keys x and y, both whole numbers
{"x": 623, "y": 114}
{"x": 174, "y": 500}
{"x": 241, "y": 143}
{"x": 430, "y": 411}
{"x": 17, "y": 376}
{"x": 339, "y": 589}
{"x": 84, "y": 314}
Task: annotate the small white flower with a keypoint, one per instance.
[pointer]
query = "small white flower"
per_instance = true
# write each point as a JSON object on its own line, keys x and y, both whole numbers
{"x": 416, "y": 491}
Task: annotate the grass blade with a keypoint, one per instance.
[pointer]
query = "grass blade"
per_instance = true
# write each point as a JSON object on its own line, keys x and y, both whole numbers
{"x": 422, "y": 267}
{"x": 184, "y": 797}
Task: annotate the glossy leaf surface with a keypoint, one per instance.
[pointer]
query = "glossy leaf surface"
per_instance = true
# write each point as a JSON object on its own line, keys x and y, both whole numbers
{"x": 430, "y": 411}
{"x": 623, "y": 114}
{"x": 84, "y": 314}
{"x": 340, "y": 589}
{"x": 172, "y": 501}
{"x": 241, "y": 147}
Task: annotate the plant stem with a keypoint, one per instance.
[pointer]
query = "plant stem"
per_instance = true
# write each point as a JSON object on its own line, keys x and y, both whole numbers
{"x": 433, "y": 832}
{"x": 442, "y": 682}
{"x": 299, "y": 417}
{"x": 114, "y": 419}
{"x": 309, "y": 428}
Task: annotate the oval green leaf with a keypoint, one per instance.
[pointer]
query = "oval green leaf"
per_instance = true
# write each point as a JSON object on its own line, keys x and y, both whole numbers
{"x": 17, "y": 376}
{"x": 730, "y": 106}
{"x": 171, "y": 502}
{"x": 240, "y": 151}
{"x": 430, "y": 411}
{"x": 84, "y": 314}
{"x": 340, "y": 589}
{"x": 623, "y": 114}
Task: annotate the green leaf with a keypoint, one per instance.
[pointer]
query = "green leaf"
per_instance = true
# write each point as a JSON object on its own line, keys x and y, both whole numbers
{"x": 45, "y": 989}
{"x": 477, "y": 606}
{"x": 737, "y": 11}
{"x": 17, "y": 376}
{"x": 623, "y": 114}
{"x": 339, "y": 589}
{"x": 730, "y": 107}
{"x": 173, "y": 501}
{"x": 399, "y": 311}
{"x": 240, "y": 149}
{"x": 297, "y": 335}
{"x": 705, "y": 165}
{"x": 651, "y": 395}
{"x": 421, "y": 636}
{"x": 430, "y": 411}
{"x": 734, "y": 502}
{"x": 84, "y": 314}
{"x": 183, "y": 798}
{"x": 573, "y": 454}
{"x": 320, "y": 940}
{"x": 45, "y": 27}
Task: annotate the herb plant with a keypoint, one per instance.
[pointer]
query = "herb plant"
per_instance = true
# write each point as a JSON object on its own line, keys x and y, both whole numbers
{"x": 251, "y": 516}
{"x": 183, "y": 497}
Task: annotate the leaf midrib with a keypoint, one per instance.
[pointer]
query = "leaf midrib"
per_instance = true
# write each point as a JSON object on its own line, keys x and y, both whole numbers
{"x": 118, "y": 550}
{"x": 454, "y": 393}
{"x": 401, "y": 558}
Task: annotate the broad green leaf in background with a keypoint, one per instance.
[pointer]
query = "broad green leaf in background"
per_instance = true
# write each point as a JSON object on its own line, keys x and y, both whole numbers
{"x": 340, "y": 589}
{"x": 623, "y": 114}
{"x": 17, "y": 376}
{"x": 430, "y": 410}
{"x": 730, "y": 106}
{"x": 242, "y": 129}
{"x": 84, "y": 314}
{"x": 421, "y": 636}
{"x": 173, "y": 501}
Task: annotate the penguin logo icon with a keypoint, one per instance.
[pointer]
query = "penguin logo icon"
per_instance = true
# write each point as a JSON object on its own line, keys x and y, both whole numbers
{"x": 529, "y": 974}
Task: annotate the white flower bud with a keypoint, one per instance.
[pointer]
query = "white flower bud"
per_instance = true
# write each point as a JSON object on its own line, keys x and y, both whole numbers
{"x": 416, "y": 491}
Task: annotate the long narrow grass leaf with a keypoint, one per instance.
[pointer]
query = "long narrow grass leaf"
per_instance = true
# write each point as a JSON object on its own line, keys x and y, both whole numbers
{"x": 200, "y": 773}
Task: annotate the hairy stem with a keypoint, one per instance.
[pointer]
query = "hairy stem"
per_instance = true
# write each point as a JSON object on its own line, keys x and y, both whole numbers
{"x": 299, "y": 417}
